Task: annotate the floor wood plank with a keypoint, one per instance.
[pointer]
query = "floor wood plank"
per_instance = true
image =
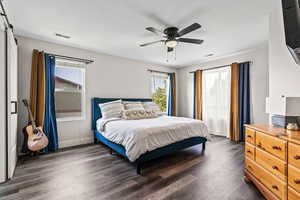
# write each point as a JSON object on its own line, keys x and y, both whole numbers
{"x": 91, "y": 172}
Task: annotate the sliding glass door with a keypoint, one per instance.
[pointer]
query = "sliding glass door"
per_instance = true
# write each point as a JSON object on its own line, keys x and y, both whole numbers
{"x": 216, "y": 100}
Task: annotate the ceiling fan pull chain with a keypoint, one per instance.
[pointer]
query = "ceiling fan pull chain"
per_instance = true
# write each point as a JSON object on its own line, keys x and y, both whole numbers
{"x": 167, "y": 54}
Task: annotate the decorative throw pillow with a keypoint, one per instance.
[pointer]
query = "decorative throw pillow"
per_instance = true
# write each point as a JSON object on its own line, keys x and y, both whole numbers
{"x": 152, "y": 106}
{"x": 133, "y": 105}
{"x": 112, "y": 109}
{"x": 138, "y": 114}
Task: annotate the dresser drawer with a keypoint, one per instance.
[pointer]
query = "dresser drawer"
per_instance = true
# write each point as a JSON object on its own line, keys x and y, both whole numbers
{"x": 294, "y": 154}
{"x": 294, "y": 178}
{"x": 271, "y": 163}
{"x": 271, "y": 144}
{"x": 293, "y": 195}
{"x": 250, "y": 165}
{"x": 250, "y": 151}
{"x": 274, "y": 184}
{"x": 250, "y": 136}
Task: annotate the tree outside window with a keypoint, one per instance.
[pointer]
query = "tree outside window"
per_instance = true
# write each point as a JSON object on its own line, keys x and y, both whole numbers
{"x": 160, "y": 84}
{"x": 160, "y": 98}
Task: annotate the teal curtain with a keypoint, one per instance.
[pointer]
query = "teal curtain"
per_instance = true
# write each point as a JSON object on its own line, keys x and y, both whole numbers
{"x": 172, "y": 95}
{"x": 244, "y": 97}
{"x": 50, "y": 125}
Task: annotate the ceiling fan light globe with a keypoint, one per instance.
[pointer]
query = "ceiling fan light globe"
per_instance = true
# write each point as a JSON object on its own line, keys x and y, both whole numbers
{"x": 171, "y": 43}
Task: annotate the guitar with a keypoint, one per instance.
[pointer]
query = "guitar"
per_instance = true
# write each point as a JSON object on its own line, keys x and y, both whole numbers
{"x": 37, "y": 139}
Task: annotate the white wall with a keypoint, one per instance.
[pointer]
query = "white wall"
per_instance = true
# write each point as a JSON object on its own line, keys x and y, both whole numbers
{"x": 258, "y": 82}
{"x": 284, "y": 73}
{"x": 108, "y": 76}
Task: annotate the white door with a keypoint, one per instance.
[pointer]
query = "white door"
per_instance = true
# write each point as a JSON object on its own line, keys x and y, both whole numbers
{"x": 12, "y": 56}
{"x": 2, "y": 104}
{"x": 216, "y": 100}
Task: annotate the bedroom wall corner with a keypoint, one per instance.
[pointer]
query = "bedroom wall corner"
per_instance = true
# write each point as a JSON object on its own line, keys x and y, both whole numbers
{"x": 108, "y": 76}
{"x": 284, "y": 72}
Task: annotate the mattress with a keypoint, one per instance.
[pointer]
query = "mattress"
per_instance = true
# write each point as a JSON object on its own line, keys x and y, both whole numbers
{"x": 144, "y": 135}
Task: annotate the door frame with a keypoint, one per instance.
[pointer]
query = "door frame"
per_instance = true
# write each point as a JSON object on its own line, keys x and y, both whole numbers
{"x": 5, "y": 172}
{"x": 12, "y": 91}
{"x": 4, "y": 101}
{"x": 6, "y": 106}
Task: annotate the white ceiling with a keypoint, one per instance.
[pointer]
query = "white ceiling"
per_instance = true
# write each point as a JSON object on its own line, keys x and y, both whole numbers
{"x": 117, "y": 27}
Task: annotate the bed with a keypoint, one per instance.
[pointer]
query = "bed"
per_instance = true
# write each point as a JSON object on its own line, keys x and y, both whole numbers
{"x": 146, "y": 156}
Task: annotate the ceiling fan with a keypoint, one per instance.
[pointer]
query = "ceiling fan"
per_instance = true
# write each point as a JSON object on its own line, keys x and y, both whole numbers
{"x": 173, "y": 36}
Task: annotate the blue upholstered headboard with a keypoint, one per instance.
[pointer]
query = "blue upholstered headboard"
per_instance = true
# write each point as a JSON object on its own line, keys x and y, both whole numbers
{"x": 96, "y": 112}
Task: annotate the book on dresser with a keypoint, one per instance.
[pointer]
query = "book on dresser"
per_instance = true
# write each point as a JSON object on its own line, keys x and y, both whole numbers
{"x": 272, "y": 161}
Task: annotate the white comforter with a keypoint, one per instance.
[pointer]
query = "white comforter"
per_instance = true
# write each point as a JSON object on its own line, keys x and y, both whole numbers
{"x": 140, "y": 136}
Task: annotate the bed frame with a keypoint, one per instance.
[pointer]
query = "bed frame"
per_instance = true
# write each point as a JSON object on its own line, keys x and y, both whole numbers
{"x": 96, "y": 114}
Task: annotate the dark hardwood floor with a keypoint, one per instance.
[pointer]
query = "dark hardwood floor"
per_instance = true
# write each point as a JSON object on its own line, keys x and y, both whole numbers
{"x": 91, "y": 172}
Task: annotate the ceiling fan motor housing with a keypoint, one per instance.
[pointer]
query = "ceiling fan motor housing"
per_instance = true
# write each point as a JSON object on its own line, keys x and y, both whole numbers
{"x": 171, "y": 32}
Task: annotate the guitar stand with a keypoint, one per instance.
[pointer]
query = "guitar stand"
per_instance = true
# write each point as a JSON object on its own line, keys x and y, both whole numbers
{"x": 31, "y": 153}
{"x": 34, "y": 153}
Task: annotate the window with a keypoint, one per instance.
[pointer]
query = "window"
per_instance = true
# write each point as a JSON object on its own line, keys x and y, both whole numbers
{"x": 159, "y": 89}
{"x": 69, "y": 90}
{"x": 216, "y": 100}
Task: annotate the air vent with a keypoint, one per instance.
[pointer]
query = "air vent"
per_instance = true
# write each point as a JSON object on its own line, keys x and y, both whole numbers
{"x": 209, "y": 55}
{"x": 62, "y": 36}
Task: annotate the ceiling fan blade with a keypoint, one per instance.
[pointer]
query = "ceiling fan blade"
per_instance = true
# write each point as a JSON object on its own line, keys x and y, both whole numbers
{"x": 156, "y": 19}
{"x": 154, "y": 30}
{"x": 188, "y": 29}
{"x": 149, "y": 43}
{"x": 170, "y": 49}
{"x": 189, "y": 40}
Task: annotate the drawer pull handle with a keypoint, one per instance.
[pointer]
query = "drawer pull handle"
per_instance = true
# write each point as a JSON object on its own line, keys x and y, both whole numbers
{"x": 275, "y": 167}
{"x": 276, "y": 148}
{"x": 297, "y": 181}
{"x": 248, "y": 151}
{"x": 249, "y": 136}
{"x": 260, "y": 146}
{"x": 274, "y": 187}
{"x": 297, "y": 157}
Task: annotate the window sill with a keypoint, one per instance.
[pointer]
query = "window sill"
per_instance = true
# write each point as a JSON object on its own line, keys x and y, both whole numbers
{"x": 69, "y": 119}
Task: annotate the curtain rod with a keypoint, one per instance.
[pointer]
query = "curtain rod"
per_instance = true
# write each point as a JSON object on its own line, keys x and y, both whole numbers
{"x": 72, "y": 58}
{"x": 150, "y": 70}
{"x": 220, "y": 66}
{"x": 3, "y": 13}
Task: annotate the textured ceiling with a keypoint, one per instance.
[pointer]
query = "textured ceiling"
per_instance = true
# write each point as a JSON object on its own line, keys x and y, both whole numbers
{"x": 117, "y": 27}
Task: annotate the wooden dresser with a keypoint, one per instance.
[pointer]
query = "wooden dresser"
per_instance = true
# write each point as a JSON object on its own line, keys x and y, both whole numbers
{"x": 272, "y": 161}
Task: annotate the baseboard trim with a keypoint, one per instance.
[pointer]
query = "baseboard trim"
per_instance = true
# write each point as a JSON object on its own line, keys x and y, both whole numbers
{"x": 75, "y": 142}
{"x": 67, "y": 143}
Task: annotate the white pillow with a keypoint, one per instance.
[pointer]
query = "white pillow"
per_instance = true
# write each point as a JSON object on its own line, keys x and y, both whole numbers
{"x": 112, "y": 109}
{"x": 152, "y": 106}
{"x": 133, "y": 105}
{"x": 138, "y": 114}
